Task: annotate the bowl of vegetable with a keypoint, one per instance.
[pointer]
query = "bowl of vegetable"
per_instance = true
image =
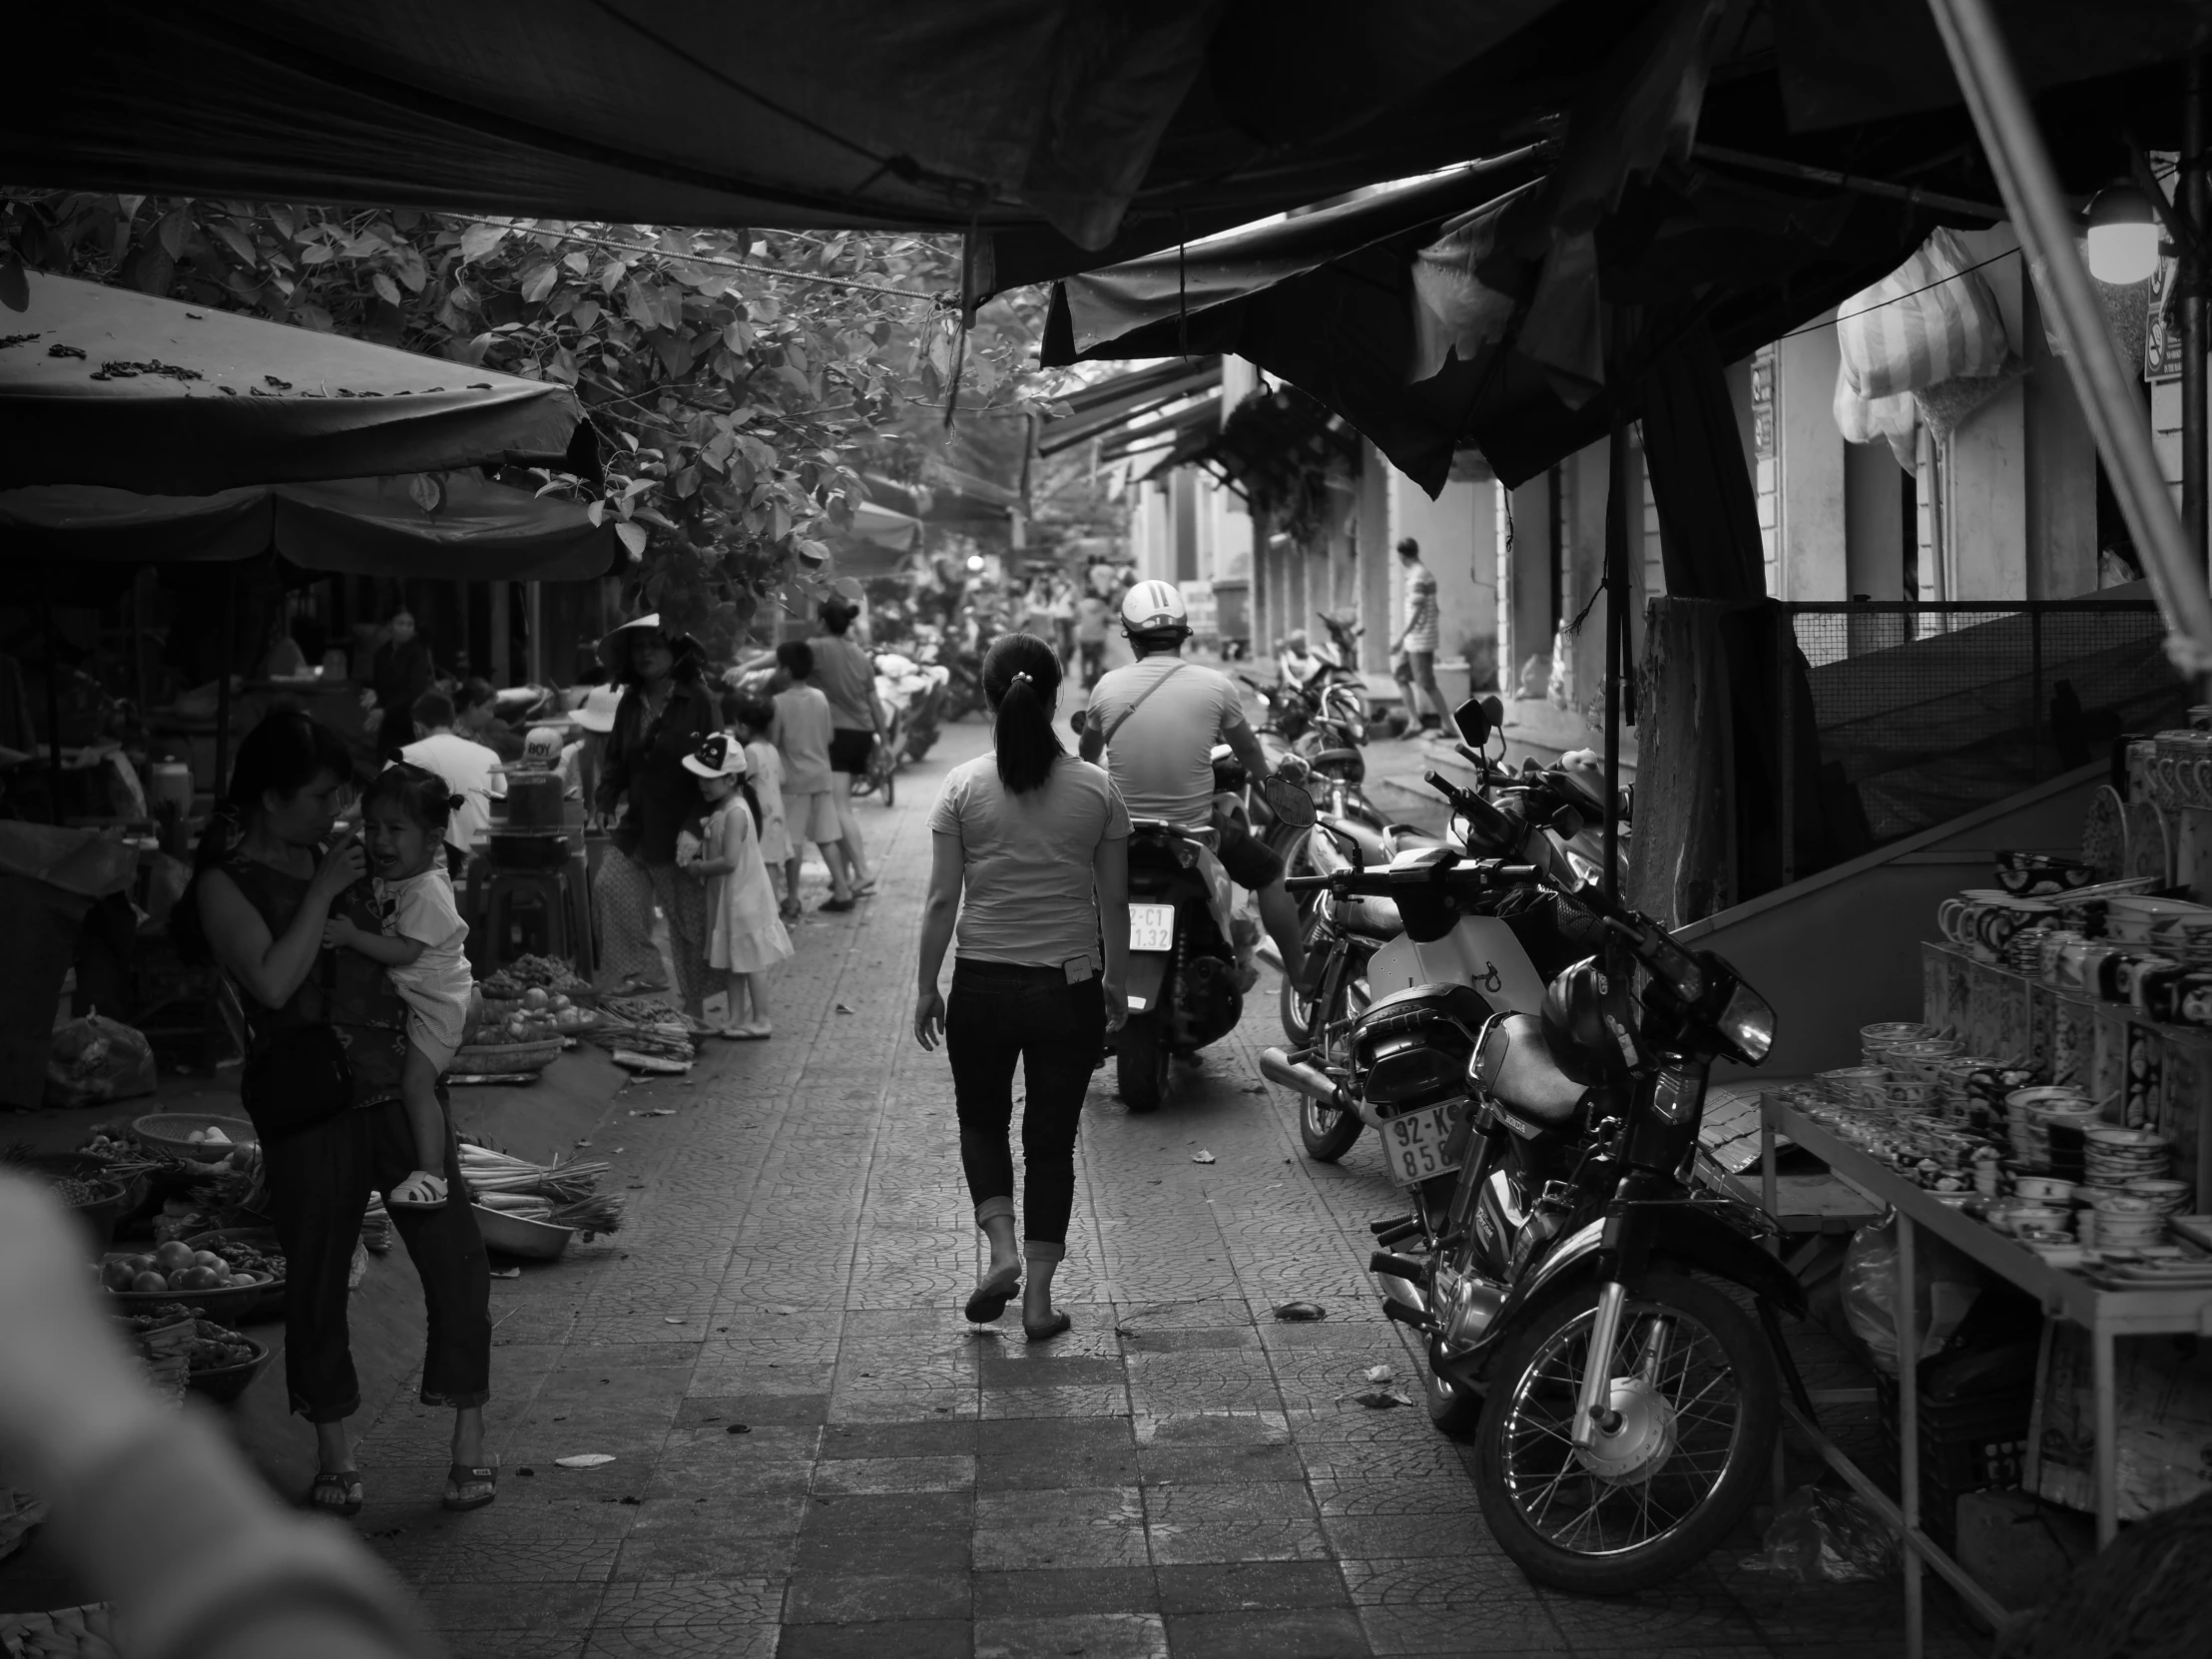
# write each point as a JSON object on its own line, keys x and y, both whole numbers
{"x": 519, "y": 1232}
{"x": 225, "y": 1363}
{"x": 248, "y": 1250}
{"x": 177, "y": 1272}
{"x": 96, "y": 1203}
{"x": 202, "y": 1137}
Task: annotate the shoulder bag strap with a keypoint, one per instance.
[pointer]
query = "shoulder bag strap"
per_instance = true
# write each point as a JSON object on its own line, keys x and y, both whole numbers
{"x": 1107, "y": 736}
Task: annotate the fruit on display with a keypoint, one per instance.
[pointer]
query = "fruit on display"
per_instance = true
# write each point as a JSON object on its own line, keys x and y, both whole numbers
{"x": 212, "y": 1136}
{"x": 175, "y": 1268}
{"x": 149, "y": 1282}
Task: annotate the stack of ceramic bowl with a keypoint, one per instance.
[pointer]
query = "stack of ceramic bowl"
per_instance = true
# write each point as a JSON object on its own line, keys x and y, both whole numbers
{"x": 2116, "y": 1157}
{"x": 1876, "y": 1041}
{"x": 1922, "y": 1057}
{"x": 2121, "y": 1217}
{"x": 2045, "y": 1126}
{"x": 1856, "y": 1086}
{"x": 1952, "y": 1079}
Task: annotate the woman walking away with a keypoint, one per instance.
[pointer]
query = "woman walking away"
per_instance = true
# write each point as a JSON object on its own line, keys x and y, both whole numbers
{"x": 666, "y": 709}
{"x": 746, "y": 939}
{"x": 327, "y": 1044}
{"x": 1037, "y": 842}
{"x": 804, "y": 734}
{"x": 404, "y": 814}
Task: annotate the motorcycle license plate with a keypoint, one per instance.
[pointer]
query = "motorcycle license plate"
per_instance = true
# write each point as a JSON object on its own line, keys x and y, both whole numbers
{"x": 1150, "y": 927}
{"x": 1414, "y": 1145}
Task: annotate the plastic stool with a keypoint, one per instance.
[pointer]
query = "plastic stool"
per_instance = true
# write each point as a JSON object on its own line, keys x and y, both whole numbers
{"x": 523, "y": 913}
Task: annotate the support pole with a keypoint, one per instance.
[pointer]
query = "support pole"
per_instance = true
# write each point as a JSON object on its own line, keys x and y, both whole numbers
{"x": 53, "y": 705}
{"x": 2110, "y": 398}
{"x": 223, "y": 679}
{"x": 1617, "y": 601}
{"x": 2190, "y": 199}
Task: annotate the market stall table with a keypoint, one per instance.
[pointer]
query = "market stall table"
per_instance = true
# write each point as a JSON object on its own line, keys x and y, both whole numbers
{"x": 2104, "y": 1314}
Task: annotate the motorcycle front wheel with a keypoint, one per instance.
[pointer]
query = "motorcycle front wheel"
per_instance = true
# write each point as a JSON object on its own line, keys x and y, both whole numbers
{"x": 1698, "y": 1396}
{"x": 1141, "y": 1063}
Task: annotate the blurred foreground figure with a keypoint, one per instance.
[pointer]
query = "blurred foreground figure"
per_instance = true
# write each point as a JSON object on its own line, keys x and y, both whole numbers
{"x": 236, "y": 1577}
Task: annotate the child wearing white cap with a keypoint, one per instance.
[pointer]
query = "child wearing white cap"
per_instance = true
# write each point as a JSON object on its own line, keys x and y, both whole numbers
{"x": 746, "y": 938}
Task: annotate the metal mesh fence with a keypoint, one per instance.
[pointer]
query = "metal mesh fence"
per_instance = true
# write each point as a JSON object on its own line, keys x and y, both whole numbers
{"x": 1928, "y": 712}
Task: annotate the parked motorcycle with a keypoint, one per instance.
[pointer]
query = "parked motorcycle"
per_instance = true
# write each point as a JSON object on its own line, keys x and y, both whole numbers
{"x": 1622, "y": 1411}
{"x": 1365, "y": 952}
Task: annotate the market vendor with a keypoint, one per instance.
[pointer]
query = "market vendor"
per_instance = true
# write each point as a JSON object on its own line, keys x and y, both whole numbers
{"x": 476, "y": 716}
{"x": 400, "y": 671}
{"x": 666, "y": 709}
{"x": 325, "y": 1039}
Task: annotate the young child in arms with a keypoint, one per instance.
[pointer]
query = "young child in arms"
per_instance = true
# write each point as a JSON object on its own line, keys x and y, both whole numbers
{"x": 403, "y": 818}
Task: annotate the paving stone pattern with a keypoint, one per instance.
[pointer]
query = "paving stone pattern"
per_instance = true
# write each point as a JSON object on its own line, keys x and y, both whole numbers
{"x": 816, "y": 1456}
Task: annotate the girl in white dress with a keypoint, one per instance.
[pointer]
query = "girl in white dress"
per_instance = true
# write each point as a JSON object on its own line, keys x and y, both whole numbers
{"x": 403, "y": 818}
{"x": 755, "y": 719}
{"x": 744, "y": 935}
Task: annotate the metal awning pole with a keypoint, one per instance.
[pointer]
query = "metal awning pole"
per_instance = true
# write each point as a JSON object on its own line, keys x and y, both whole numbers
{"x": 2113, "y": 404}
{"x": 223, "y": 681}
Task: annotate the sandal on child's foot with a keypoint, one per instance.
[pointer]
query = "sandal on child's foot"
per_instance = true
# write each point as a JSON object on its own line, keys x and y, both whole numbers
{"x": 421, "y": 1191}
{"x": 336, "y": 1493}
{"x": 1056, "y": 1326}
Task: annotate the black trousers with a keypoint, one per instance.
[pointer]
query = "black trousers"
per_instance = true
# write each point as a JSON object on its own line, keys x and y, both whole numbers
{"x": 320, "y": 1181}
{"x": 1001, "y": 1013}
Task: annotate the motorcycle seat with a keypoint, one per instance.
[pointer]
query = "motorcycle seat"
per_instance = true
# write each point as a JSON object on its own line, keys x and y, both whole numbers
{"x": 1403, "y": 837}
{"x": 1463, "y": 1003}
{"x": 1327, "y": 759}
{"x": 1515, "y": 1063}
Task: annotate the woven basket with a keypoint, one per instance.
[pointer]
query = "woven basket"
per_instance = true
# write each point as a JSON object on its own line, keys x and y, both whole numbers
{"x": 479, "y": 1058}
{"x": 165, "y": 1353}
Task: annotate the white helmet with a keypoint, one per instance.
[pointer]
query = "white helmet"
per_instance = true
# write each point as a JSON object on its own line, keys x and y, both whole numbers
{"x": 1154, "y": 606}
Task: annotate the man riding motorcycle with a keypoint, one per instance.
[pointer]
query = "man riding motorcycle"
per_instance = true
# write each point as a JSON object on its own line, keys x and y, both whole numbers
{"x": 1157, "y": 721}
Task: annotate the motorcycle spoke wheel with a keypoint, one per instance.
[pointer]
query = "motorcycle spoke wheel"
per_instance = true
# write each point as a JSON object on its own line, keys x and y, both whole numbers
{"x": 1698, "y": 1393}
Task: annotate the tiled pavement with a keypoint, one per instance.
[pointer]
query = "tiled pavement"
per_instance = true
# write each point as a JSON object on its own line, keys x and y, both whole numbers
{"x": 815, "y": 1456}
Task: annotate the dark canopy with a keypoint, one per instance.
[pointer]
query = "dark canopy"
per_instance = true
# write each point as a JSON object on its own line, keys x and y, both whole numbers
{"x": 1068, "y": 130}
{"x": 104, "y": 385}
{"x": 1746, "y": 260}
{"x": 477, "y": 531}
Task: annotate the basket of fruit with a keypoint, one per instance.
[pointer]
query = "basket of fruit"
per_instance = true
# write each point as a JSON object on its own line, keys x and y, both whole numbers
{"x": 504, "y": 1059}
{"x": 248, "y": 1250}
{"x": 223, "y": 1362}
{"x": 177, "y": 1273}
{"x": 202, "y": 1137}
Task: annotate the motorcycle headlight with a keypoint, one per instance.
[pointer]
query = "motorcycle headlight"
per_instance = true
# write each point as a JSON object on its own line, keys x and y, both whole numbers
{"x": 1746, "y": 1025}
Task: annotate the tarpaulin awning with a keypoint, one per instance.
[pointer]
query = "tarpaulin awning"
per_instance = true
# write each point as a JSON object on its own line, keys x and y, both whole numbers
{"x": 938, "y": 114}
{"x": 1357, "y": 329}
{"x": 1110, "y": 403}
{"x": 479, "y": 532}
{"x": 1202, "y": 415}
{"x": 108, "y": 386}
{"x": 879, "y": 526}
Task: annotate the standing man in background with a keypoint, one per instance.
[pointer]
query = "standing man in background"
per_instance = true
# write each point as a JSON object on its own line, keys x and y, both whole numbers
{"x": 1415, "y": 667}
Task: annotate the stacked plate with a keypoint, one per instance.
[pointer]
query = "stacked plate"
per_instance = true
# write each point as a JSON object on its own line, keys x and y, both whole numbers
{"x": 2046, "y": 1127}
{"x": 1854, "y": 1085}
{"x": 1922, "y": 1057}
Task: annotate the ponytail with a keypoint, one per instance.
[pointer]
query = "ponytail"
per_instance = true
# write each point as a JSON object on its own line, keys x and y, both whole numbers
{"x": 1021, "y": 683}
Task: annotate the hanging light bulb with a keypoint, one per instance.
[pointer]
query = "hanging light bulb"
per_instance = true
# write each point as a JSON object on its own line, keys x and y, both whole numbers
{"x": 2124, "y": 234}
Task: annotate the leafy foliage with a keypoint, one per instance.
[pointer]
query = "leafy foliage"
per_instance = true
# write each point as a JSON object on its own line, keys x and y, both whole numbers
{"x": 740, "y": 381}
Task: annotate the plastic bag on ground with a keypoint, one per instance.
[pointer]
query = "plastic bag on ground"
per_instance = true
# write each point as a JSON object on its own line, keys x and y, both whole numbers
{"x": 94, "y": 1059}
{"x": 1819, "y": 1537}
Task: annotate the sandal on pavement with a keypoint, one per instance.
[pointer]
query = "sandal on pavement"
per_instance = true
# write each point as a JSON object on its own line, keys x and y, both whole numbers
{"x": 421, "y": 1191}
{"x": 1056, "y": 1326}
{"x": 838, "y": 905}
{"x": 745, "y": 1033}
{"x": 460, "y": 1478}
{"x": 866, "y": 889}
{"x": 992, "y": 1294}
{"x": 336, "y": 1493}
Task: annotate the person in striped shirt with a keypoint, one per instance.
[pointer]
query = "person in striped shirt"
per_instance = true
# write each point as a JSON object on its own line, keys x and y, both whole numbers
{"x": 1416, "y": 670}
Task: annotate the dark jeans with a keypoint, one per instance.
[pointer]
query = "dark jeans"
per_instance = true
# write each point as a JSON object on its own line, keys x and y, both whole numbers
{"x": 1000, "y": 1012}
{"x": 320, "y": 1181}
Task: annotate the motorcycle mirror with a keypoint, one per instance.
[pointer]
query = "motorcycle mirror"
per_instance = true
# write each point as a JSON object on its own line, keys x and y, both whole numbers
{"x": 1348, "y": 845}
{"x": 1290, "y": 802}
{"x": 1475, "y": 723}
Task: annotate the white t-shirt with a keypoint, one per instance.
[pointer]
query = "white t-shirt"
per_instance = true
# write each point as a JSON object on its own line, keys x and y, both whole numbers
{"x": 1028, "y": 895}
{"x": 472, "y": 772}
{"x": 1162, "y": 756}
